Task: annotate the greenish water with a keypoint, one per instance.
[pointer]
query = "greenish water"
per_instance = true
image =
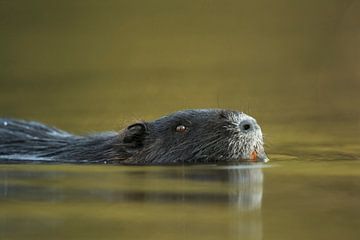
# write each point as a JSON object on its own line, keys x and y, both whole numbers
{"x": 87, "y": 66}
{"x": 289, "y": 199}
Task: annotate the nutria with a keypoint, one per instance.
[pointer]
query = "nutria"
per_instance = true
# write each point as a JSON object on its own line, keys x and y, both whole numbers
{"x": 189, "y": 136}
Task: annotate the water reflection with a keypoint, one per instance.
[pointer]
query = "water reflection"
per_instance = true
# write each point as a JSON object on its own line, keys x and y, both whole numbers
{"x": 229, "y": 196}
{"x": 239, "y": 186}
{"x": 247, "y": 195}
{"x": 248, "y": 188}
{"x": 244, "y": 190}
{"x": 242, "y": 182}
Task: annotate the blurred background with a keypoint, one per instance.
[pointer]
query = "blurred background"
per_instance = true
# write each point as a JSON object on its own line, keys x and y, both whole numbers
{"x": 98, "y": 65}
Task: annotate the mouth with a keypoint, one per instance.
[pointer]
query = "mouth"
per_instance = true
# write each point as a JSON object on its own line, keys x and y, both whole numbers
{"x": 256, "y": 157}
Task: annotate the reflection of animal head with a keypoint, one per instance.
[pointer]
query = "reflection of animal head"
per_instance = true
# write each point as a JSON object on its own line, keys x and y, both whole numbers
{"x": 241, "y": 186}
{"x": 246, "y": 187}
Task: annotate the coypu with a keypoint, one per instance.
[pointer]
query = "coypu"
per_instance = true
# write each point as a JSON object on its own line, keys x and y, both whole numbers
{"x": 189, "y": 136}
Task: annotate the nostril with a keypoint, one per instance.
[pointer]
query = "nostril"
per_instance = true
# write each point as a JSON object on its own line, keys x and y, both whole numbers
{"x": 245, "y": 126}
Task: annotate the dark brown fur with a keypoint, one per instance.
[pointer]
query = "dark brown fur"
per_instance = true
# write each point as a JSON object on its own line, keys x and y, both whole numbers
{"x": 211, "y": 135}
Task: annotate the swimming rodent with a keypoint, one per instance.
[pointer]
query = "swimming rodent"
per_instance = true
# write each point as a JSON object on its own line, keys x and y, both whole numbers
{"x": 184, "y": 137}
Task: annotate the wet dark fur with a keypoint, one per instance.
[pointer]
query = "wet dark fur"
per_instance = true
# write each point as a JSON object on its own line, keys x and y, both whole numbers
{"x": 211, "y": 136}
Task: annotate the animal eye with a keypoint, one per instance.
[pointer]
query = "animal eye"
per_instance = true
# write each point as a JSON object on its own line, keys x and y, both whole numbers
{"x": 181, "y": 128}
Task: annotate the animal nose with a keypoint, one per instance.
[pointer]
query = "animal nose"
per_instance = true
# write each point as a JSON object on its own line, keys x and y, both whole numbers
{"x": 247, "y": 125}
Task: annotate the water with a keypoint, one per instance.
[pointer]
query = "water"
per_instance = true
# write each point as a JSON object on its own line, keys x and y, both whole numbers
{"x": 101, "y": 65}
{"x": 288, "y": 199}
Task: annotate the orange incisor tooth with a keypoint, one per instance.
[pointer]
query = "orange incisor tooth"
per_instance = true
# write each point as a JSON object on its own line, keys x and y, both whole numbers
{"x": 253, "y": 155}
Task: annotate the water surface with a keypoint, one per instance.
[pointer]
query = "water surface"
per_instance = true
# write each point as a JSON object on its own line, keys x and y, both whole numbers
{"x": 288, "y": 199}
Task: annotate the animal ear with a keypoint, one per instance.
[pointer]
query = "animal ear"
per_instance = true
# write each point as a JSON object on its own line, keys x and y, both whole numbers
{"x": 134, "y": 134}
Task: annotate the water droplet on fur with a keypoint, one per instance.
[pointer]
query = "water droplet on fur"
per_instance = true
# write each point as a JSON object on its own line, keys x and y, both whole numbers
{"x": 5, "y": 123}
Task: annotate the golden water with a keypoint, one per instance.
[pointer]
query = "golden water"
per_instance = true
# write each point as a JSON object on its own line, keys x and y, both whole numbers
{"x": 287, "y": 200}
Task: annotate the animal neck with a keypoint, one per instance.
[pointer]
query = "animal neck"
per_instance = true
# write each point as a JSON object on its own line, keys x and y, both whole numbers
{"x": 103, "y": 147}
